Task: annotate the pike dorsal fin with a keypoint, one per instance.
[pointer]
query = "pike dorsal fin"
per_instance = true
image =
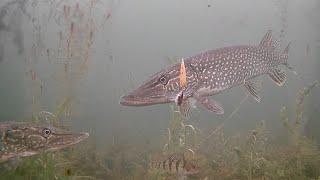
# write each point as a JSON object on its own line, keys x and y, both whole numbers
{"x": 266, "y": 39}
{"x": 268, "y": 42}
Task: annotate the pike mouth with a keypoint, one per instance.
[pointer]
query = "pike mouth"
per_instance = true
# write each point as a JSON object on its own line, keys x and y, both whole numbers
{"x": 79, "y": 138}
{"x": 131, "y": 100}
{"x": 74, "y": 140}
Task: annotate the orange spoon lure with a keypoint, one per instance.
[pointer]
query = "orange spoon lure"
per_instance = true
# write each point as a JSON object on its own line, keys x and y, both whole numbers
{"x": 183, "y": 75}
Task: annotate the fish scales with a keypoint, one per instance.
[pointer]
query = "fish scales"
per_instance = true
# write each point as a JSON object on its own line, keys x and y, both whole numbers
{"x": 212, "y": 72}
{"x": 227, "y": 67}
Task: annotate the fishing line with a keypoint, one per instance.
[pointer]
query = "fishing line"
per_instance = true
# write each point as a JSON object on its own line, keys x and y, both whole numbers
{"x": 300, "y": 76}
{"x": 217, "y": 129}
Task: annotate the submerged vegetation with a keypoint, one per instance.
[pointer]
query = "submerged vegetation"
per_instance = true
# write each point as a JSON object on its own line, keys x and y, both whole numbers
{"x": 254, "y": 155}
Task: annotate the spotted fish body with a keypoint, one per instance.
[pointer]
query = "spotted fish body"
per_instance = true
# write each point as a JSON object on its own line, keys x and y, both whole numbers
{"x": 175, "y": 164}
{"x": 212, "y": 72}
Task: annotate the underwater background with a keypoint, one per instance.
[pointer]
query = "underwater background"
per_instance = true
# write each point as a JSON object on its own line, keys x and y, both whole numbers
{"x": 76, "y": 58}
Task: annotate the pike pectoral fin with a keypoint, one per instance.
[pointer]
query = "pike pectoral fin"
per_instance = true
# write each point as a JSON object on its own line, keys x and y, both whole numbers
{"x": 253, "y": 89}
{"x": 209, "y": 104}
{"x": 278, "y": 77}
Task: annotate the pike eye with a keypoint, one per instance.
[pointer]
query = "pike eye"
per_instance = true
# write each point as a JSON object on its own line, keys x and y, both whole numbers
{"x": 46, "y": 132}
{"x": 163, "y": 80}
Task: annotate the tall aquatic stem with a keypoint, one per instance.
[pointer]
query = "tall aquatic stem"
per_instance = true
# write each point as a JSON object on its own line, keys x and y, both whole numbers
{"x": 250, "y": 166}
{"x": 294, "y": 128}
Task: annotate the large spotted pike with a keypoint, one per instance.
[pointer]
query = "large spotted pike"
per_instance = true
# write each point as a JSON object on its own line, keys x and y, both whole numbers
{"x": 212, "y": 72}
{"x": 28, "y": 139}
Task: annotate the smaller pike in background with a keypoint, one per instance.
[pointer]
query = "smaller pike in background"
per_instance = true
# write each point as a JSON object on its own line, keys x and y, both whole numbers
{"x": 177, "y": 164}
{"x": 28, "y": 139}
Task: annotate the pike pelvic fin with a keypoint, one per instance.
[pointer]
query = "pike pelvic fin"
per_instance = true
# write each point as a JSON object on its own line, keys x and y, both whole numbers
{"x": 278, "y": 76}
{"x": 209, "y": 104}
{"x": 253, "y": 89}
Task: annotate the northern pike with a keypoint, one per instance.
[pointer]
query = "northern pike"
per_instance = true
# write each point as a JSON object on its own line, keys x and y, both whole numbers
{"x": 28, "y": 139}
{"x": 212, "y": 72}
{"x": 175, "y": 164}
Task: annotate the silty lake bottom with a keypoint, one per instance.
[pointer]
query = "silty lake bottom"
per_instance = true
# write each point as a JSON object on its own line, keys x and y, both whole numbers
{"x": 66, "y": 65}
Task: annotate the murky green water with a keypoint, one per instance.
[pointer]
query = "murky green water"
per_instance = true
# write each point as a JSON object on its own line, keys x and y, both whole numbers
{"x": 74, "y": 59}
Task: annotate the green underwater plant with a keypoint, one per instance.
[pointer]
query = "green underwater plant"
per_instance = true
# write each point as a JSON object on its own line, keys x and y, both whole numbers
{"x": 257, "y": 155}
{"x": 295, "y": 127}
{"x": 39, "y": 167}
{"x": 42, "y": 166}
{"x": 305, "y": 152}
{"x": 180, "y": 136}
{"x": 254, "y": 155}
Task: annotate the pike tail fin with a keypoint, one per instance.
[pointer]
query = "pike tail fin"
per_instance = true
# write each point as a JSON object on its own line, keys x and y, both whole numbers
{"x": 285, "y": 54}
{"x": 284, "y": 58}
